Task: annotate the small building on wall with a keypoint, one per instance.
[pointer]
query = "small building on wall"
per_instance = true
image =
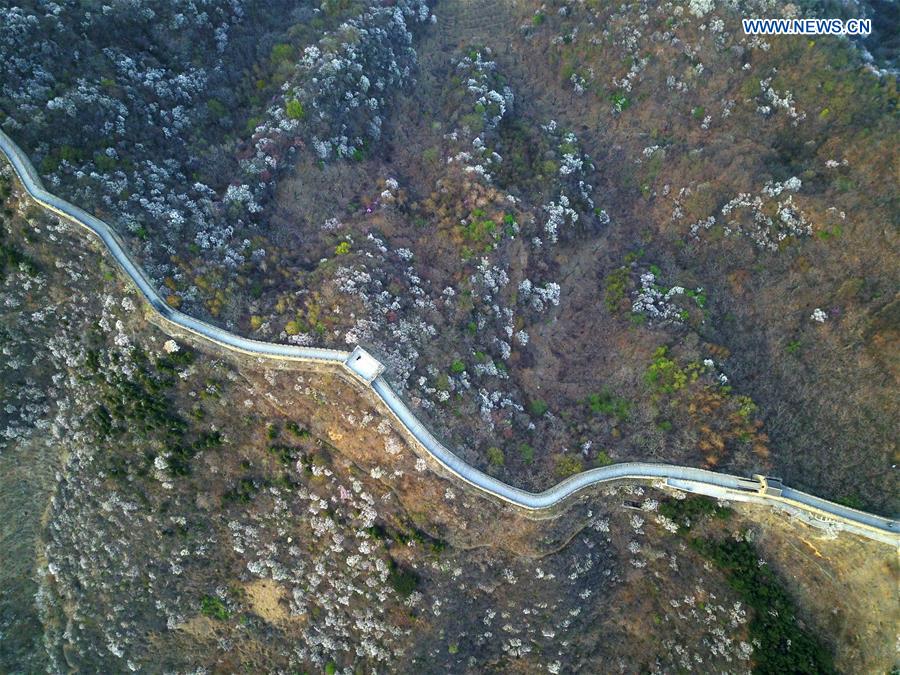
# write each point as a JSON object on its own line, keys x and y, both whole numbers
{"x": 363, "y": 365}
{"x": 769, "y": 485}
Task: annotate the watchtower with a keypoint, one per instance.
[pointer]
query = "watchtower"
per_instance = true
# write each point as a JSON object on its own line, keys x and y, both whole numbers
{"x": 769, "y": 485}
{"x": 365, "y": 366}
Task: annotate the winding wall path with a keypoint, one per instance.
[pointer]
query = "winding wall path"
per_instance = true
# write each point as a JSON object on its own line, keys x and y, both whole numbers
{"x": 366, "y": 370}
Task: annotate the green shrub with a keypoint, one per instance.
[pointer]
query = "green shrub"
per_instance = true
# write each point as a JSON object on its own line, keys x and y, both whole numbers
{"x": 746, "y": 406}
{"x": 527, "y": 453}
{"x": 207, "y": 440}
{"x": 297, "y": 430}
{"x": 538, "y": 407}
{"x": 242, "y": 493}
{"x": 252, "y": 123}
{"x": 282, "y": 52}
{"x": 606, "y": 403}
{"x": 12, "y": 258}
{"x": 214, "y": 608}
{"x": 294, "y": 109}
{"x": 402, "y": 580}
{"x": 826, "y": 234}
{"x": 49, "y": 164}
{"x": 495, "y": 456}
{"x": 457, "y": 367}
{"x": 698, "y": 296}
{"x": 343, "y": 248}
{"x": 664, "y": 374}
{"x": 784, "y": 646}
{"x": 431, "y": 155}
{"x": 603, "y": 459}
{"x": 216, "y": 109}
{"x": 480, "y": 231}
{"x": 620, "y": 101}
{"x": 687, "y": 512}
{"x": 616, "y": 286}
{"x": 284, "y": 453}
{"x": 853, "y": 501}
{"x": 104, "y": 162}
{"x": 568, "y": 465}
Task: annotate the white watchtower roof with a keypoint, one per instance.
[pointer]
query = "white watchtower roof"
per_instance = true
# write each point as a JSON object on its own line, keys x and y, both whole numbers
{"x": 364, "y": 365}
